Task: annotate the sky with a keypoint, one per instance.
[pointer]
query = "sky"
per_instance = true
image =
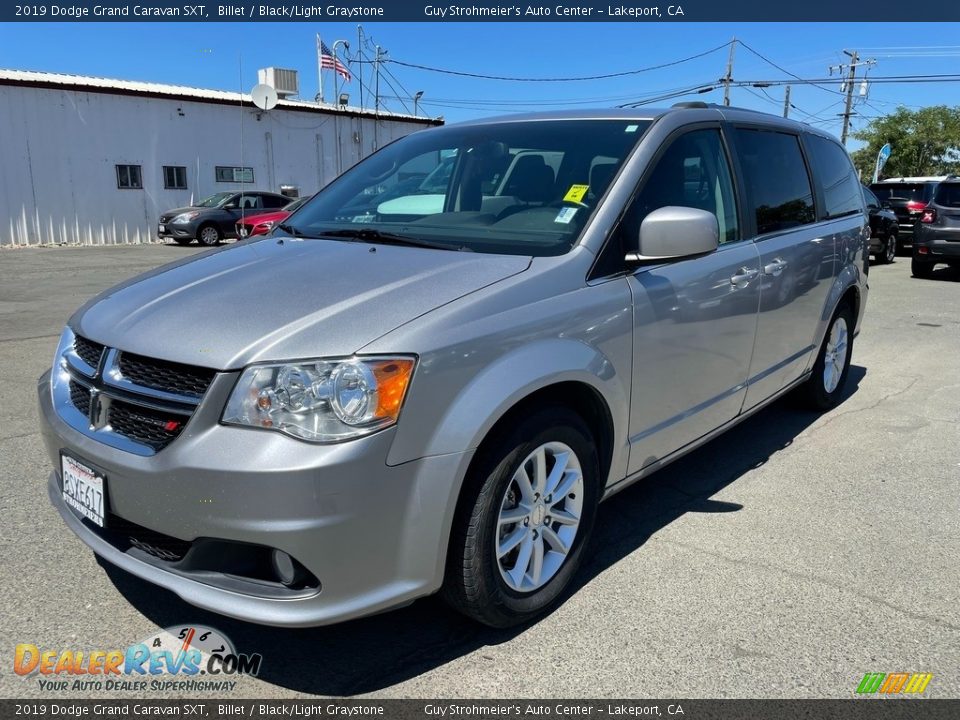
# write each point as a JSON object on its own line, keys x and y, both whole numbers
{"x": 227, "y": 55}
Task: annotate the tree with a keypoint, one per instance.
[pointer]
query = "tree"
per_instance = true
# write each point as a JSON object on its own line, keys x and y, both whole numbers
{"x": 924, "y": 142}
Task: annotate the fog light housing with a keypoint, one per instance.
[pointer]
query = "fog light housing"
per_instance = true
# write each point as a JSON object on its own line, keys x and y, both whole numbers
{"x": 288, "y": 571}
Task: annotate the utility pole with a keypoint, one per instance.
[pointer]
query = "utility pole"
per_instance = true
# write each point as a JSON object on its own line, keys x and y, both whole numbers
{"x": 850, "y": 84}
{"x": 376, "y": 65}
{"x": 786, "y": 103}
{"x": 728, "y": 78}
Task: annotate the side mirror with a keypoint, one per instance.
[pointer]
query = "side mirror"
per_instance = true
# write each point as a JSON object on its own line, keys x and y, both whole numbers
{"x": 230, "y": 206}
{"x": 675, "y": 232}
{"x": 885, "y": 206}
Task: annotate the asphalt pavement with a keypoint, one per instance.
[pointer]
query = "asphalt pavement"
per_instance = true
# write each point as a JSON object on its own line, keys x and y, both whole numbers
{"x": 784, "y": 559}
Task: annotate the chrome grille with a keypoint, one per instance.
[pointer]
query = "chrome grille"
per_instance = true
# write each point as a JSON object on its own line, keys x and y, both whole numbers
{"x": 88, "y": 351}
{"x": 166, "y": 376}
{"x": 80, "y": 397}
{"x": 128, "y": 401}
{"x": 154, "y": 428}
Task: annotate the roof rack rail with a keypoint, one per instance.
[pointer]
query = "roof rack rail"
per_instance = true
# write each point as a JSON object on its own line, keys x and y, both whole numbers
{"x": 691, "y": 104}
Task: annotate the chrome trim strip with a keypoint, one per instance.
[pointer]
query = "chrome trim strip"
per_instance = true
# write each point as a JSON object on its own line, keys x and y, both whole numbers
{"x": 78, "y": 363}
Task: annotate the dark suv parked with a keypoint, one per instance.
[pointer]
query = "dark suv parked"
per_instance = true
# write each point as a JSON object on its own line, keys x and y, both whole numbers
{"x": 216, "y": 217}
{"x": 937, "y": 238}
{"x": 883, "y": 229}
{"x": 907, "y": 197}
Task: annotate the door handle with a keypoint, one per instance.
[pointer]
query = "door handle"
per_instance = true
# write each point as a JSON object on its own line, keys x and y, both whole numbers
{"x": 744, "y": 275}
{"x": 775, "y": 268}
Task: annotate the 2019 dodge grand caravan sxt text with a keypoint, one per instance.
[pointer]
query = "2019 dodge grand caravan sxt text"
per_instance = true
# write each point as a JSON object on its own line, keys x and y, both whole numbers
{"x": 434, "y": 392}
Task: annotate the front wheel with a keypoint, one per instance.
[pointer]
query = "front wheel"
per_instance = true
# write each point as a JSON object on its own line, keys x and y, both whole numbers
{"x": 524, "y": 519}
{"x": 824, "y": 387}
{"x": 209, "y": 236}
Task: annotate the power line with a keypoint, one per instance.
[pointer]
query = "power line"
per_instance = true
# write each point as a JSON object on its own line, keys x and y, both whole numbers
{"x": 781, "y": 69}
{"x": 558, "y": 79}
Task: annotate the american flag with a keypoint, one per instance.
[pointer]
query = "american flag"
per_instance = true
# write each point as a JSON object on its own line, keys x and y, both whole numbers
{"x": 329, "y": 62}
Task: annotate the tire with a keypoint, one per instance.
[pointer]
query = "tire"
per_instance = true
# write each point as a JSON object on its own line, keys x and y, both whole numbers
{"x": 183, "y": 241}
{"x": 824, "y": 388}
{"x": 921, "y": 269}
{"x": 502, "y": 591}
{"x": 209, "y": 235}
{"x": 888, "y": 252}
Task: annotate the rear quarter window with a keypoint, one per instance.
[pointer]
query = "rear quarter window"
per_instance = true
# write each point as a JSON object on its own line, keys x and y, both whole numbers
{"x": 776, "y": 178}
{"x": 834, "y": 171}
{"x": 948, "y": 195}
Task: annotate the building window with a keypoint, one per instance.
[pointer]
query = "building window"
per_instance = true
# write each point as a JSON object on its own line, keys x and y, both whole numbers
{"x": 234, "y": 174}
{"x": 128, "y": 177}
{"x": 174, "y": 177}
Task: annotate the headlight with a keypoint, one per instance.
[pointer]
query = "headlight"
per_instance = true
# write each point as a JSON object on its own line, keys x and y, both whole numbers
{"x": 322, "y": 400}
{"x": 183, "y": 218}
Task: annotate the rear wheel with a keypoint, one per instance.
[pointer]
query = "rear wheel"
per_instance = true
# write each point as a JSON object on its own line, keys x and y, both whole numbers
{"x": 209, "y": 235}
{"x": 524, "y": 519}
{"x": 824, "y": 388}
{"x": 921, "y": 269}
{"x": 888, "y": 252}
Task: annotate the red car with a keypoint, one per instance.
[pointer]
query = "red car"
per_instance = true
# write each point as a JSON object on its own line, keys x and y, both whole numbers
{"x": 264, "y": 222}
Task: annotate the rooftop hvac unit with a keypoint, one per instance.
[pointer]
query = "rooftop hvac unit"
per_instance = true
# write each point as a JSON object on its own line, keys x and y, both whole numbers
{"x": 283, "y": 81}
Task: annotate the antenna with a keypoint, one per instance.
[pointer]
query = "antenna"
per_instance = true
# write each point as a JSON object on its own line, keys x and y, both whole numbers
{"x": 264, "y": 96}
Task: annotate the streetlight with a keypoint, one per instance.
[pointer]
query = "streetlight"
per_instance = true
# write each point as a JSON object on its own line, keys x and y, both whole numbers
{"x": 416, "y": 99}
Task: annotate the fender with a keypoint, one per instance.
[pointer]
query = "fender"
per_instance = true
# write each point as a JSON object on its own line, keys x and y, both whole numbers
{"x": 510, "y": 378}
{"x": 849, "y": 277}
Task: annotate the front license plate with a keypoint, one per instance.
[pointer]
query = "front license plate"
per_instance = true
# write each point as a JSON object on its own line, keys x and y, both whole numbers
{"x": 163, "y": 228}
{"x": 83, "y": 489}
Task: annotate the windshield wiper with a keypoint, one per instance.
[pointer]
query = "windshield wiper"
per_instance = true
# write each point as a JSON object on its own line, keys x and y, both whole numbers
{"x": 291, "y": 230}
{"x": 375, "y": 236}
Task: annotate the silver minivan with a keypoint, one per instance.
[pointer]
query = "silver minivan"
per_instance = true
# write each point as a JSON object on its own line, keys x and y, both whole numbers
{"x": 413, "y": 387}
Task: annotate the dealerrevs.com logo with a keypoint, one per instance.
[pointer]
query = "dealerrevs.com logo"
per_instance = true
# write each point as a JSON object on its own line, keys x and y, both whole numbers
{"x": 185, "y": 658}
{"x": 894, "y": 683}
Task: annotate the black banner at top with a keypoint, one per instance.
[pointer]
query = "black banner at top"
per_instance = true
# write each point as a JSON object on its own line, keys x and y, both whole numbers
{"x": 628, "y": 11}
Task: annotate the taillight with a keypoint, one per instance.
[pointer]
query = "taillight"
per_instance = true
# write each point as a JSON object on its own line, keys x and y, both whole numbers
{"x": 929, "y": 216}
{"x": 915, "y": 205}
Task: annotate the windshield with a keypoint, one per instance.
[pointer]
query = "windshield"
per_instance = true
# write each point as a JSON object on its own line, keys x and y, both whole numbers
{"x": 519, "y": 188}
{"x": 899, "y": 191}
{"x": 214, "y": 200}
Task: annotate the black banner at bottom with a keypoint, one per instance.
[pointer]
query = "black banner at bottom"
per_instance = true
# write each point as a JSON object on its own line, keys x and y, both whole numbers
{"x": 853, "y": 709}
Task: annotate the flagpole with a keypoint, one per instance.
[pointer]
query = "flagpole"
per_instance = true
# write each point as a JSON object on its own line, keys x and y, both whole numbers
{"x": 319, "y": 70}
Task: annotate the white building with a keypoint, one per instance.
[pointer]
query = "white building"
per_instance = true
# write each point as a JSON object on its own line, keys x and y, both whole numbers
{"x": 93, "y": 161}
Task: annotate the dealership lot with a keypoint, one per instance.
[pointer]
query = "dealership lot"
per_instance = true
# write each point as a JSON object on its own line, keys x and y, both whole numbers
{"x": 785, "y": 559}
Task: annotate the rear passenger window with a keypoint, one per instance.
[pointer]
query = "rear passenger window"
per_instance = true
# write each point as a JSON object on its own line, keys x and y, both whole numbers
{"x": 776, "y": 179}
{"x": 831, "y": 164}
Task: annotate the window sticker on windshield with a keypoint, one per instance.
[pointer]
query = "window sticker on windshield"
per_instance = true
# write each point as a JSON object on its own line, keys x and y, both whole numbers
{"x": 565, "y": 215}
{"x": 576, "y": 193}
{"x": 362, "y": 218}
{"x": 631, "y": 128}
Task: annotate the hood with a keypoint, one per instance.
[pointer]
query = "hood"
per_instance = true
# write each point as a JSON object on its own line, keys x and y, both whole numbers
{"x": 274, "y": 216}
{"x": 178, "y": 211}
{"x": 283, "y": 299}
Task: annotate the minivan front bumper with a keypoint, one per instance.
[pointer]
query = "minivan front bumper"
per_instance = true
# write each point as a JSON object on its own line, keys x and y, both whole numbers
{"x": 374, "y": 535}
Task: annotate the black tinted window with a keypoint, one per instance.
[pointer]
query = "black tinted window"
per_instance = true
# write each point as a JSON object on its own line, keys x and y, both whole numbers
{"x": 275, "y": 201}
{"x": 693, "y": 172}
{"x": 832, "y": 166}
{"x": 902, "y": 191}
{"x": 948, "y": 195}
{"x": 869, "y": 197}
{"x": 776, "y": 179}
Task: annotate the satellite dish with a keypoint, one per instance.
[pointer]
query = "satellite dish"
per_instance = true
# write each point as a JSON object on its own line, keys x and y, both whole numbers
{"x": 264, "y": 96}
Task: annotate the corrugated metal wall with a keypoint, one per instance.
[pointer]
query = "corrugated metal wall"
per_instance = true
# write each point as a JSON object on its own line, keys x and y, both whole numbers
{"x": 59, "y": 150}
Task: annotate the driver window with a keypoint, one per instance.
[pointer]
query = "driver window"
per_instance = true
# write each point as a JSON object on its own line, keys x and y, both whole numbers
{"x": 693, "y": 172}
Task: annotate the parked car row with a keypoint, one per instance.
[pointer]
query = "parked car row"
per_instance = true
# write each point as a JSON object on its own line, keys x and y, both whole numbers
{"x": 216, "y": 217}
{"x": 926, "y": 211}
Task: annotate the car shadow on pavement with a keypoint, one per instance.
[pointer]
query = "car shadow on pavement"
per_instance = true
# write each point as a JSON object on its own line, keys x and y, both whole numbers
{"x": 373, "y": 653}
